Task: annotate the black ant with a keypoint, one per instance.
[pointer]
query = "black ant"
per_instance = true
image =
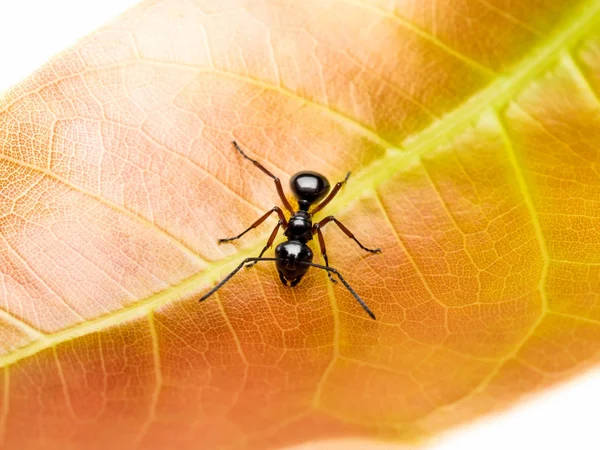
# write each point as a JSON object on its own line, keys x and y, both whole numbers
{"x": 293, "y": 257}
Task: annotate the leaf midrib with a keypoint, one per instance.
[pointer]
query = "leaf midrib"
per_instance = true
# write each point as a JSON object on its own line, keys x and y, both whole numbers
{"x": 496, "y": 95}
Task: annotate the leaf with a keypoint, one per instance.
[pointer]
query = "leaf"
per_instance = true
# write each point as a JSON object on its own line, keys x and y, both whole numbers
{"x": 470, "y": 129}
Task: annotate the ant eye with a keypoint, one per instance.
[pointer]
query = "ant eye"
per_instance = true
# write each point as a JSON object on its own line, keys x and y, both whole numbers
{"x": 309, "y": 186}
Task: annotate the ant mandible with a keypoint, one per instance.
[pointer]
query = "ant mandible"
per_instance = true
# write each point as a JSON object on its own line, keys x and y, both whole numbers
{"x": 293, "y": 257}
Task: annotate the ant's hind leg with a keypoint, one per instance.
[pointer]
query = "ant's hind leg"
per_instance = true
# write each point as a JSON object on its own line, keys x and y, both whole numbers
{"x": 346, "y": 231}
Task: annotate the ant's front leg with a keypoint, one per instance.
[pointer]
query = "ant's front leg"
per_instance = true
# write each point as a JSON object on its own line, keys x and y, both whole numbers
{"x": 258, "y": 222}
{"x": 270, "y": 241}
{"x": 346, "y": 231}
{"x": 317, "y": 229}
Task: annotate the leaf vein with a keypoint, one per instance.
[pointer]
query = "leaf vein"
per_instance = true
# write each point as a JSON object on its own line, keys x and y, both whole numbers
{"x": 509, "y": 17}
{"x": 240, "y": 349}
{"x": 131, "y": 214}
{"x": 427, "y": 36}
{"x": 5, "y": 405}
{"x": 411, "y": 258}
{"x": 317, "y": 397}
{"x": 543, "y": 277}
{"x": 158, "y": 383}
{"x": 579, "y": 77}
{"x": 362, "y": 129}
{"x": 43, "y": 282}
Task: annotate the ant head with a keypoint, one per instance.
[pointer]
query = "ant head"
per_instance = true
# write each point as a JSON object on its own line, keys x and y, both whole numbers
{"x": 309, "y": 187}
{"x": 290, "y": 256}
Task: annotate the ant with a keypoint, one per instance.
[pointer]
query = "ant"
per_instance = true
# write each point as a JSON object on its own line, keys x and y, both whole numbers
{"x": 293, "y": 257}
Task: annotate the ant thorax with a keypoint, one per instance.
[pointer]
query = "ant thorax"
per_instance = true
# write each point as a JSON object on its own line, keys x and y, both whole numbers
{"x": 299, "y": 227}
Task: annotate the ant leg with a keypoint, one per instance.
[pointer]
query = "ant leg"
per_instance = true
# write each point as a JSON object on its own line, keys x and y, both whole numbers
{"x": 233, "y": 272}
{"x": 332, "y": 194}
{"x": 275, "y": 179}
{"x": 347, "y": 232}
{"x": 317, "y": 229}
{"x": 258, "y": 222}
{"x": 269, "y": 242}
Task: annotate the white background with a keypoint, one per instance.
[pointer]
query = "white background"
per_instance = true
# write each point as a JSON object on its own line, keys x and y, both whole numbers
{"x": 31, "y": 31}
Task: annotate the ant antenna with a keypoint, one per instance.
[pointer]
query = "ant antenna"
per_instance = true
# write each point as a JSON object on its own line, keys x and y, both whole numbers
{"x": 345, "y": 283}
{"x": 318, "y": 266}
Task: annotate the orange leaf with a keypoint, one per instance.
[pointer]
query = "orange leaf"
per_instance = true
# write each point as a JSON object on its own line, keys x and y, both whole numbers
{"x": 471, "y": 132}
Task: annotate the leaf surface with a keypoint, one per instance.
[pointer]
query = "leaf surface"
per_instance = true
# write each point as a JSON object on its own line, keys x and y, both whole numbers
{"x": 470, "y": 129}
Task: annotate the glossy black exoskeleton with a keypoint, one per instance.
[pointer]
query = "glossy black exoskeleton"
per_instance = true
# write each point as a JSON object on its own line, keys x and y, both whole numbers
{"x": 293, "y": 257}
